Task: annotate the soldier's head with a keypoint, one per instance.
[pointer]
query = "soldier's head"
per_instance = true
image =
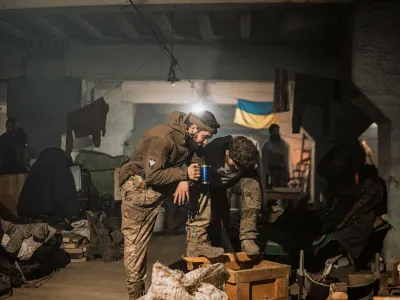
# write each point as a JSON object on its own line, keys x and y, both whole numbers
{"x": 274, "y": 133}
{"x": 364, "y": 143}
{"x": 11, "y": 125}
{"x": 201, "y": 127}
{"x": 242, "y": 153}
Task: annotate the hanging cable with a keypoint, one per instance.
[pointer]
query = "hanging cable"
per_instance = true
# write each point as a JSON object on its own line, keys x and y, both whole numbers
{"x": 172, "y": 78}
{"x": 153, "y": 31}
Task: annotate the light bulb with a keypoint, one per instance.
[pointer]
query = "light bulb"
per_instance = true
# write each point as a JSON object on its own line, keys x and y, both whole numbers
{"x": 198, "y": 107}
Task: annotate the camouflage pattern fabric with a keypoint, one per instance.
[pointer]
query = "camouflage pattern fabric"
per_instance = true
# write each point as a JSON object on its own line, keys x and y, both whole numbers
{"x": 199, "y": 214}
{"x": 250, "y": 192}
{"x": 140, "y": 206}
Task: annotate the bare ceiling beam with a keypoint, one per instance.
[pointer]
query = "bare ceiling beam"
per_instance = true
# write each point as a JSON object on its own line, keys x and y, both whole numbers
{"x": 164, "y": 25}
{"x": 50, "y": 28}
{"x": 205, "y": 27}
{"x": 13, "y": 30}
{"x": 85, "y": 26}
{"x": 126, "y": 27}
{"x": 23, "y": 4}
{"x": 245, "y": 25}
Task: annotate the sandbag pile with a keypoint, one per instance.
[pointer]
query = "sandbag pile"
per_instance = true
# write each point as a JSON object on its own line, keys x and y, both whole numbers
{"x": 206, "y": 283}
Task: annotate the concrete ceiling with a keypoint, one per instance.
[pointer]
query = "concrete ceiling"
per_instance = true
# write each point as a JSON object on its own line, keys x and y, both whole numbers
{"x": 23, "y": 4}
{"x": 249, "y": 21}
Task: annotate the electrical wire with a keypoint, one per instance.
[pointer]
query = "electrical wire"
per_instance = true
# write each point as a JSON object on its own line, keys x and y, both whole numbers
{"x": 153, "y": 31}
{"x": 130, "y": 74}
{"x": 173, "y": 59}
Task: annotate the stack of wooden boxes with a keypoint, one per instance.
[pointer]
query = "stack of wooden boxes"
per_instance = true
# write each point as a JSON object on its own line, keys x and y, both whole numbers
{"x": 76, "y": 246}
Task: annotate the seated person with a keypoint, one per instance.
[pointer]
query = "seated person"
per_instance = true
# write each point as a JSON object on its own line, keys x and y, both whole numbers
{"x": 11, "y": 165}
{"x": 349, "y": 215}
{"x": 355, "y": 229}
{"x": 233, "y": 161}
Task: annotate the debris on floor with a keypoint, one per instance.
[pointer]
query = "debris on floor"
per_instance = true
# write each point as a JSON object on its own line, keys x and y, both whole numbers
{"x": 204, "y": 283}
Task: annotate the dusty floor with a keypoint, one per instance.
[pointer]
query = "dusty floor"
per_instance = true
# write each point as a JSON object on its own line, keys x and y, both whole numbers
{"x": 100, "y": 281}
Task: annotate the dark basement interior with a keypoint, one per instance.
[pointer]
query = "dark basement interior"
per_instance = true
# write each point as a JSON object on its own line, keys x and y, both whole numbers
{"x": 200, "y": 149}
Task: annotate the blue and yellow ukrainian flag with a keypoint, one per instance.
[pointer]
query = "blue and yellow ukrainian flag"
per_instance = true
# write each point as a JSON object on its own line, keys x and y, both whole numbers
{"x": 254, "y": 114}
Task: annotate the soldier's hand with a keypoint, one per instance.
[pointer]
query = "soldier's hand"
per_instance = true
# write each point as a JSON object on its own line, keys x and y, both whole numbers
{"x": 181, "y": 193}
{"x": 194, "y": 172}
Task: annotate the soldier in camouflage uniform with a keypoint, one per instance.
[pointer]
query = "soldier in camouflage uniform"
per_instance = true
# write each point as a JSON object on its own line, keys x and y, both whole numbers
{"x": 233, "y": 161}
{"x": 160, "y": 167}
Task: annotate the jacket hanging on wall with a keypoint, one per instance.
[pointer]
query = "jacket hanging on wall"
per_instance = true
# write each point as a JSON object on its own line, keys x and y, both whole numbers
{"x": 88, "y": 120}
{"x": 281, "y": 101}
{"x": 316, "y": 91}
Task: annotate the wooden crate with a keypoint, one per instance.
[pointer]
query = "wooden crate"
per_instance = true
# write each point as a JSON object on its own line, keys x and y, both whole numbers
{"x": 245, "y": 262}
{"x": 12, "y": 185}
{"x": 10, "y": 189}
{"x": 267, "y": 280}
{"x": 251, "y": 277}
{"x": 117, "y": 190}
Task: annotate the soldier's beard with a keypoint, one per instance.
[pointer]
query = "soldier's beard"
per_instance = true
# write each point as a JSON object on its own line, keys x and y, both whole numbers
{"x": 190, "y": 141}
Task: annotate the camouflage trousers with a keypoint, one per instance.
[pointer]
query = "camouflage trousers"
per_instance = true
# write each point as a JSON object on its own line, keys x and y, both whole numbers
{"x": 250, "y": 192}
{"x": 140, "y": 207}
{"x": 199, "y": 214}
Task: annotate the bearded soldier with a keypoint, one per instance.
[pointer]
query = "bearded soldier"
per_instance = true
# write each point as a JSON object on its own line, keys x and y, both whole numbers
{"x": 162, "y": 165}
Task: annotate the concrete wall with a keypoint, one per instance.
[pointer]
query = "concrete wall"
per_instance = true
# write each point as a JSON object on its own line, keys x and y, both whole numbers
{"x": 376, "y": 72}
{"x": 198, "y": 61}
{"x": 49, "y": 85}
{"x": 12, "y": 61}
{"x": 40, "y": 101}
{"x": 120, "y": 119}
{"x": 134, "y": 108}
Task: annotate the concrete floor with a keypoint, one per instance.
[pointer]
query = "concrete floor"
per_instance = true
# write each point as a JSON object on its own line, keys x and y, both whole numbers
{"x": 100, "y": 281}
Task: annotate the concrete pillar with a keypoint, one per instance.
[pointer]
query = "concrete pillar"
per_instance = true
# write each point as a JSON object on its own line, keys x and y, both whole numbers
{"x": 376, "y": 73}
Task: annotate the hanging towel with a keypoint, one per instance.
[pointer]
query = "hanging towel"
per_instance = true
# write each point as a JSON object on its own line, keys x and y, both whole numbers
{"x": 255, "y": 115}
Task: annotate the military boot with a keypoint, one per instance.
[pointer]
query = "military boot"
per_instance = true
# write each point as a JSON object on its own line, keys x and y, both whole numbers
{"x": 196, "y": 249}
{"x": 136, "y": 290}
{"x": 198, "y": 243}
{"x": 248, "y": 231}
{"x": 250, "y": 247}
